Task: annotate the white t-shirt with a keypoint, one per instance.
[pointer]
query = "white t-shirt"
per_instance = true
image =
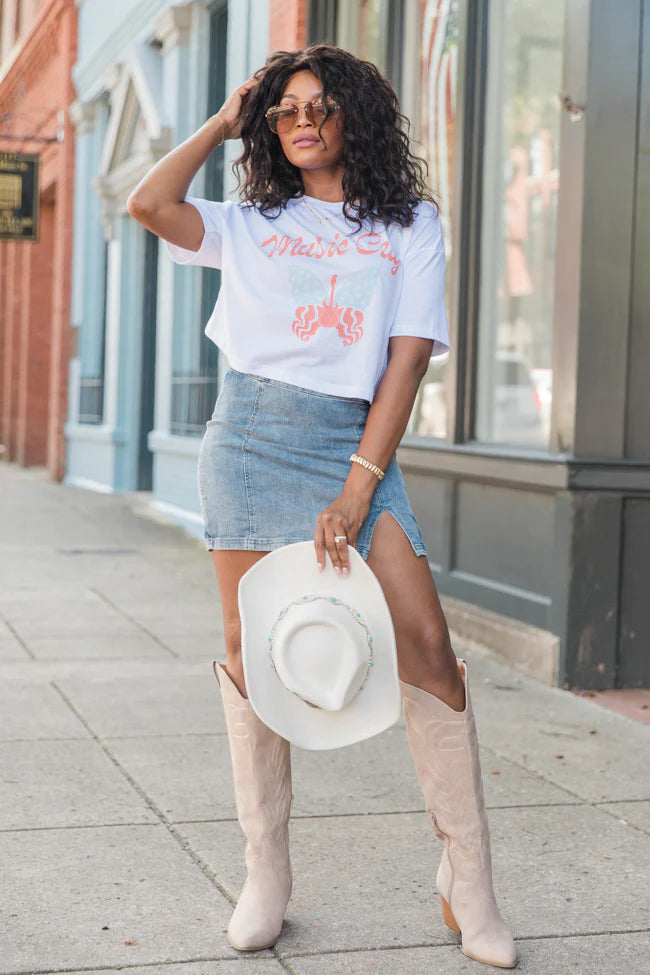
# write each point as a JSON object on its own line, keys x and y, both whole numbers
{"x": 314, "y": 304}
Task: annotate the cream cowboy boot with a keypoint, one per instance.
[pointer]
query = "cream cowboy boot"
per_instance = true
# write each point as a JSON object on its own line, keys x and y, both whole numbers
{"x": 262, "y": 775}
{"x": 445, "y": 751}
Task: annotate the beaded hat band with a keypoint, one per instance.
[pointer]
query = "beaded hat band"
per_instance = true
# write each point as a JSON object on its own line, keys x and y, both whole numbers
{"x": 355, "y": 615}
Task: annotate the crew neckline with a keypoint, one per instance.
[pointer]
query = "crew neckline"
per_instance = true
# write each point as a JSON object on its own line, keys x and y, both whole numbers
{"x": 326, "y": 203}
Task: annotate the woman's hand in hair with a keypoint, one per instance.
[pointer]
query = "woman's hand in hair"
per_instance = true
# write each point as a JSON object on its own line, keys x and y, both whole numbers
{"x": 157, "y": 202}
{"x": 230, "y": 111}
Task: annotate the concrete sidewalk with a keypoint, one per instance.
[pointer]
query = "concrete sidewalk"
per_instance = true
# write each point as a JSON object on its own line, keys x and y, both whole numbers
{"x": 120, "y": 850}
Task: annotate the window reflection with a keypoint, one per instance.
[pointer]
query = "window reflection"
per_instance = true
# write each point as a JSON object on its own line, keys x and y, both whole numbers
{"x": 373, "y": 30}
{"x": 520, "y": 183}
{"x": 437, "y": 118}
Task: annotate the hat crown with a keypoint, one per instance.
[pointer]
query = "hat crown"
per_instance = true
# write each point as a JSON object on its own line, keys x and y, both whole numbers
{"x": 323, "y": 656}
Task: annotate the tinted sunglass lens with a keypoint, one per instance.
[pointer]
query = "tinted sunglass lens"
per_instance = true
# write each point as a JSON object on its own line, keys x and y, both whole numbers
{"x": 283, "y": 120}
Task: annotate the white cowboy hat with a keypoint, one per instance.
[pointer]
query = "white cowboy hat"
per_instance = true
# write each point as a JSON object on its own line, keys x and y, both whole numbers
{"x": 318, "y": 649}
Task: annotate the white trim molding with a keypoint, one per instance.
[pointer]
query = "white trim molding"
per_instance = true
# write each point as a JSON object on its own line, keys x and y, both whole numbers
{"x": 138, "y": 93}
{"x": 173, "y": 28}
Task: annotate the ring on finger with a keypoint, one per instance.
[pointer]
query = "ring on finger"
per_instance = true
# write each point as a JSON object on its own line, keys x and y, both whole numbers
{"x": 338, "y": 539}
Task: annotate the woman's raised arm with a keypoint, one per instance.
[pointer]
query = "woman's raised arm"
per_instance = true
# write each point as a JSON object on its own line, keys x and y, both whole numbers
{"x": 157, "y": 201}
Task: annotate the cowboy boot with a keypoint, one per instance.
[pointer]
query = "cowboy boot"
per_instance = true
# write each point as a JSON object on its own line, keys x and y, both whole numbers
{"x": 261, "y": 766}
{"x": 445, "y": 751}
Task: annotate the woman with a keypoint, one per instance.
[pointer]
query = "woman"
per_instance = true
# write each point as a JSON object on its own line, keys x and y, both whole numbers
{"x": 330, "y": 308}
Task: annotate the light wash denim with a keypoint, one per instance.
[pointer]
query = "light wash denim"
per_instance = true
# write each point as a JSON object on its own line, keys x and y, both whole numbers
{"x": 275, "y": 455}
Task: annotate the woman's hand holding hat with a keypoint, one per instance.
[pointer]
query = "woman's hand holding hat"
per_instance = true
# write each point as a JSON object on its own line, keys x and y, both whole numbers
{"x": 337, "y": 527}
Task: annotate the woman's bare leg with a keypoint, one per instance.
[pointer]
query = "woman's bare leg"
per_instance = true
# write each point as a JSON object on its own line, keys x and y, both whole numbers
{"x": 230, "y": 566}
{"x": 425, "y": 656}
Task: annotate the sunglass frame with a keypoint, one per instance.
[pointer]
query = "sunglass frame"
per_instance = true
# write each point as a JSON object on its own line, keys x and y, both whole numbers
{"x": 277, "y": 112}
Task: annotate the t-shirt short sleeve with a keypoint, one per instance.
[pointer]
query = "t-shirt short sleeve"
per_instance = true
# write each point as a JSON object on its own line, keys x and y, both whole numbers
{"x": 421, "y": 309}
{"x": 209, "y": 253}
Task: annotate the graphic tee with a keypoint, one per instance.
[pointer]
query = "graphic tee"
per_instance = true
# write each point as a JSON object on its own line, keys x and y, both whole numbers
{"x": 314, "y": 303}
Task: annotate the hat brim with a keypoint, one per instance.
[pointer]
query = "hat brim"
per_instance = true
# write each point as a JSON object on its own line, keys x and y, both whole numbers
{"x": 269, "y": 586}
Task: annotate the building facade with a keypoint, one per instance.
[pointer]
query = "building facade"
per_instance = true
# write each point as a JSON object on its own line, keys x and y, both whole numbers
{"x": 145, "y": 379}
{"x": 527, "y": 455}
{"x": 38, "y": 41}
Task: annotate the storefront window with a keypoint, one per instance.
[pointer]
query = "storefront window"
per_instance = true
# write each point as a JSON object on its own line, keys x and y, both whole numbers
{"x": 438, "y": 57}
{"x": 377, "y": 30}
{"x": 371, "y": 29}
{"x": 91, "y": 352}
{"x": 195, "y": 378}
{"x": 93, "y": 308}
{"x": 520, "y": 186}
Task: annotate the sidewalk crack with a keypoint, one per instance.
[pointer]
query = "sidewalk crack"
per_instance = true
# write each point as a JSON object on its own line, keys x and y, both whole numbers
{"x": 131, "y": 619}
{"x": 12, "y": 629}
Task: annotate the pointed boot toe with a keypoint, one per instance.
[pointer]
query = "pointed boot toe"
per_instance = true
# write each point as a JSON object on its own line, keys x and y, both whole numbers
{"x": 257, "y": 920}
{"x": 498, "y": 949}
{"x": 470, "y": 909}
{"x": 498, "y": 957}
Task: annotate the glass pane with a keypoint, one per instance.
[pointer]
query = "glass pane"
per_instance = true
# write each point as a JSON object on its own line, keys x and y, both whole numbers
{"x": 92, "y": 341}
{"x": 372, "y": 34}
{"x": 520, "y": 185}
{"x": 322, "y": 22}
{"x": 372, "y": 29}
{"x": 195, "y": 377}
{"x": 437, "y": 118}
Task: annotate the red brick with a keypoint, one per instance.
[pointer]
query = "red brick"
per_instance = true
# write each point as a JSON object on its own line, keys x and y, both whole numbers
{"x": 35, "y": 277}
{"x": 288, "y": 25}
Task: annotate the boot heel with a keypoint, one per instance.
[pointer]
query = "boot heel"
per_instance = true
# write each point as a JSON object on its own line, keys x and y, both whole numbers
{"x": 448, "y": 917}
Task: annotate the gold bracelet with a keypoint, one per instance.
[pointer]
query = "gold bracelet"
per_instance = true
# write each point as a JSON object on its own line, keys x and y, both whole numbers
{"x": 223, "y": 135}
{"x": 377, "y": 471}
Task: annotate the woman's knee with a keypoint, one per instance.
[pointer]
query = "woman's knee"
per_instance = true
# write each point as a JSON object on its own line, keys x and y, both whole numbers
{"x": 425, "y": 650}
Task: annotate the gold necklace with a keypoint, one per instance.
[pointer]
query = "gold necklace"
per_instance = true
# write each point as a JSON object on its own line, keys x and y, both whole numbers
{"x": 318, "y": 216}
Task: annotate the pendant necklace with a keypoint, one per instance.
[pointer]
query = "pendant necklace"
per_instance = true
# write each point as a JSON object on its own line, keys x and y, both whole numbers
{"x": 318, "y": 216}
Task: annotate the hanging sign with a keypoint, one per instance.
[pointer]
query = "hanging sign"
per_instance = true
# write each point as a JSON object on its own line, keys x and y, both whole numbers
{"x": 18, "y": 196}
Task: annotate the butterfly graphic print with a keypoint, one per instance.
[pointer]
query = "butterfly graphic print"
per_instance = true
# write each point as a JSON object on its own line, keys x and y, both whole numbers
{"x": 340, "y": 309}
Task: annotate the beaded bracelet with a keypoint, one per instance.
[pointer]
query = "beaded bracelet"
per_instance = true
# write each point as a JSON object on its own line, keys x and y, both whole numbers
{"x": 377, "y": 471}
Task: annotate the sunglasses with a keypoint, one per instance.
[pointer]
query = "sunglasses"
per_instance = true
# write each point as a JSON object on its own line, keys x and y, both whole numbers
{"x": 281, "y": 118}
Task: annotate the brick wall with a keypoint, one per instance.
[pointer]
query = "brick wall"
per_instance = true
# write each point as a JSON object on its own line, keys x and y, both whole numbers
{"x": 35, "y": 277}
{"x": 288, "y": 25}
{"x": 37, "y": 345}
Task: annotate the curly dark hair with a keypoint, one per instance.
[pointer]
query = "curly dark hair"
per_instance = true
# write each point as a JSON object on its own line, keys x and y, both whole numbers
{"x": 382, "y": 178}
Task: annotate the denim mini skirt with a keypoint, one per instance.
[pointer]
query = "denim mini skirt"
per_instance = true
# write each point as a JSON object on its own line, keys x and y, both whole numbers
{"x": 275, "y": 455}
